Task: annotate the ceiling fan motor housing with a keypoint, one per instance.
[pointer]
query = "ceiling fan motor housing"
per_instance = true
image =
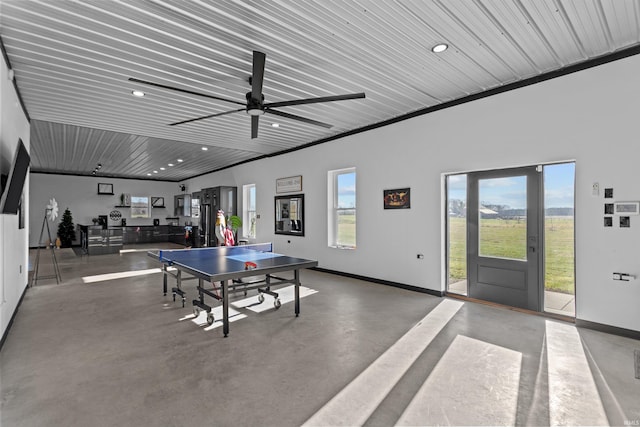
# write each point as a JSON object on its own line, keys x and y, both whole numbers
{"x": 255, "y": 107}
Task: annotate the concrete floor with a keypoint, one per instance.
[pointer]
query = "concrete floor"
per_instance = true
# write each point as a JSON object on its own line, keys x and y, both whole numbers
{"x": 115, "y": 353}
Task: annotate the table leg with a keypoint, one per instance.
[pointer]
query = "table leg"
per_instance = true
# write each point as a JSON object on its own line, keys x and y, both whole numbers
{"x": 164, "y": 279}
{"x": 296, "y": 275}
{"x": 225, "y": 307}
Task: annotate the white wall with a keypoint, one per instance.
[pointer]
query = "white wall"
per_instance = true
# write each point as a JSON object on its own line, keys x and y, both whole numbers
{"x": 79, "y": 194}
{"x": 13, "y": 241}
{"x": 589, "y": 117}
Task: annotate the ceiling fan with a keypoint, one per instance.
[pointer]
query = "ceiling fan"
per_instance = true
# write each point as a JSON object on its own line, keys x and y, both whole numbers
{"x": 255, "y": 105}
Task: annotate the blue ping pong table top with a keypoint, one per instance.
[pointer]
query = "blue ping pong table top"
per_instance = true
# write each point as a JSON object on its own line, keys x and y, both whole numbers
{"x": 226, "y": 259}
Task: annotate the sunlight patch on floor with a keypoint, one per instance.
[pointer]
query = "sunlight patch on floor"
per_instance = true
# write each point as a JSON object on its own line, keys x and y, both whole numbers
{"x": 285, "y": 295}
{"x": 119, "y": 275}
{"x": 474, "y": 383}
{"x": 573, "y": 395}
{"x": 201, "y": 319}
{"x": 354, "y": 404}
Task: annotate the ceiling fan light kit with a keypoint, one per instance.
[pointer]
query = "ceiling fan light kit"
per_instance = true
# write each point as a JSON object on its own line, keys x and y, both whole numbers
{"x": 255, "y": 105}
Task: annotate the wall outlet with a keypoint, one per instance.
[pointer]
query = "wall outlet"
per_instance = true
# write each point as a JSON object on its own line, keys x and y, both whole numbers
{"x": 420, "y": 256}
{"x": 595, "y": 189}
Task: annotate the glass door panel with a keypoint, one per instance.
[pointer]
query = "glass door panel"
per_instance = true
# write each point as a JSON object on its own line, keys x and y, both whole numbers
{"x": 502, "y": 217}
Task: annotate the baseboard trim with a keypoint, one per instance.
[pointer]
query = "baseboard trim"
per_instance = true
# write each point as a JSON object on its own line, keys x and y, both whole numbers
{"x": 381, "y": 281}
{"x": 614, "y": 330}
{"x": 13, "y": 316}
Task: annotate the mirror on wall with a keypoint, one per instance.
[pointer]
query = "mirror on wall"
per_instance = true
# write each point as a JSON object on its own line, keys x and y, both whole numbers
{"x": 289, "y": 215}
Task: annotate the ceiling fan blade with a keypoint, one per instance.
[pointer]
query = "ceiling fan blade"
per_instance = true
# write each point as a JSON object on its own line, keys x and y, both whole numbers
{"x": 206, "y": 117}
{"x": 131, "y": 79}
{"x": 298, "y": 118}
{"x": 316, "y": 100}
{"x": 257, "y": 77}
{"x": 254, "y": 126}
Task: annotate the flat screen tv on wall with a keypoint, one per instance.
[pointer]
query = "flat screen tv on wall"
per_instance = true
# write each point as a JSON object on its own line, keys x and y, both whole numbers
{"x": 12, "y": 191}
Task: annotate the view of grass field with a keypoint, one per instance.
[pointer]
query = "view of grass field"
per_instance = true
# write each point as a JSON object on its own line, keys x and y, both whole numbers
{"x": 505, "y": 238}
{"x": 347, "y": 230}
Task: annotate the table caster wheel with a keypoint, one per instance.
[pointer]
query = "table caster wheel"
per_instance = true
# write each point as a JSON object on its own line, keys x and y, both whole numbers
{"x": 260, "y": 298}
{"x": 277, "y": 303}
{"x": 210, "y": 319}
{"x": 196, "y": 311}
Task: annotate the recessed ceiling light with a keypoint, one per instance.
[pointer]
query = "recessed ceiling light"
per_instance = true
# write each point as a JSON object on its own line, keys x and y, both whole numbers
{"x": 440, "y": 48}
{"x": 162, "y": 169}
{"x": 148, "y": 174}
{"x": 204, "y": 148}
{"x": 138, "y": 93}
{"x": 180, "y": 160}
{"x": 170, "y": 164}
{"x": 275, "y": 125}
{"x": 155, "y": 171}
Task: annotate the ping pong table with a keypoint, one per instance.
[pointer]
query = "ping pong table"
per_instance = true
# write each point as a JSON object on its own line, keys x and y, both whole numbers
{"x": 232, "y": 266}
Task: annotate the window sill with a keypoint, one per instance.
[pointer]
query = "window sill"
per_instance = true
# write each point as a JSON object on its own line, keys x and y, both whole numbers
{"x": 342, "y": 247}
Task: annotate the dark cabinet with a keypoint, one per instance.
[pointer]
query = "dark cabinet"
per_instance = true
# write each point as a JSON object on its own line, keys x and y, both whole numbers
{"x": 96, "y": 240}
{"x": 145, "y": 234}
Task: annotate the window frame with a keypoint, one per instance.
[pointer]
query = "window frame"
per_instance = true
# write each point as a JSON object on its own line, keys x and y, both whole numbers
{"x": 246, "y": 211}
{"x": 333, "y": 211}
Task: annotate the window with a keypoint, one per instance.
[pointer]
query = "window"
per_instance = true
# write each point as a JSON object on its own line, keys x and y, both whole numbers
{"x": 249, "y": 211}
{"x": 140, "y": 207}
{"x": 342, "y": 208}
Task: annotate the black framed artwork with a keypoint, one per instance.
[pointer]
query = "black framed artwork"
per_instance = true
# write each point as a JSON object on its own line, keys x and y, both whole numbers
{"x": 157, "y": 202}
{"x": 397, "y": 199}
{"x": 104, "y": 188}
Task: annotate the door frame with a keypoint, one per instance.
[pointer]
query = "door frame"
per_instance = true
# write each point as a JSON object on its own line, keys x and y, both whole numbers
{"x": 540, "y": 244}
{"x": 531, "y": 296}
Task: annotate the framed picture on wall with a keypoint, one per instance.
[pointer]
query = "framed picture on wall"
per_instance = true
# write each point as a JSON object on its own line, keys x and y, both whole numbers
{"x": 289, "y": 184}
{"x": 397, "y": 199}
{"x": 157, "y": 202}
{"x": 104, "y": 188}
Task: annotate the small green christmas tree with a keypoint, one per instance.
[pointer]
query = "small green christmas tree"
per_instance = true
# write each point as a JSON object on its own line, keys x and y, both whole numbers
{"x": 66, "y": 230}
